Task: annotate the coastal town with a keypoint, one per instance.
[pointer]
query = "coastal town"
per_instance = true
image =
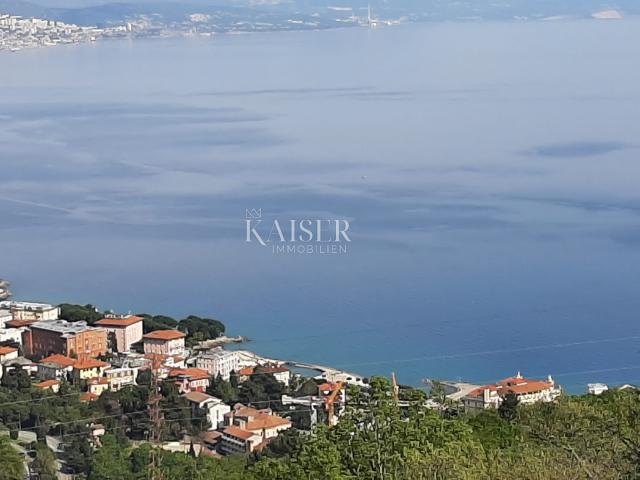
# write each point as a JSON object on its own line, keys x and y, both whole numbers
{"x": 18, "y": 33}
{"x": 229, "y": 401}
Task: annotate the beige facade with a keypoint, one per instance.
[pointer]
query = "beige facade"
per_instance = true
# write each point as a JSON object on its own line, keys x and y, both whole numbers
{"x": 164, "y": 342}
{"x": 123, "y": 332}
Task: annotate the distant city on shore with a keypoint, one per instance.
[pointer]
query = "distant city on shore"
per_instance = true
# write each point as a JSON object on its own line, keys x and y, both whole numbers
{"x": 29, "y": 25}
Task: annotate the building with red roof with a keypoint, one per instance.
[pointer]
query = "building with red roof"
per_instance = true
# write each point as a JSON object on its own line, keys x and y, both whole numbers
{"x": 527, "y": 391}
{"x": 53, "y": 385}
{"x": 190, "y": 379}
{"x": 89, "y": 368}
{"x": 8, "y": 353}
{"x": 55, "y": 366}
{"x": 164, "y": 342}
{"x": 123, "y": 331}
{"x": 248, "y": 429}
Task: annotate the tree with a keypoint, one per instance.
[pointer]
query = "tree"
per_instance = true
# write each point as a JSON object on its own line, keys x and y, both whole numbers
{"x": 11, "y": 462}
{"x": 80, "y": 313}
{"x": 223, "y": 390}
{"x": 152, "y": 323}
{"x": 200, "y": 329}
{"x": 17, "y": 379}
{"x": 508, "y": 409}
{"x": 45, "y": 462}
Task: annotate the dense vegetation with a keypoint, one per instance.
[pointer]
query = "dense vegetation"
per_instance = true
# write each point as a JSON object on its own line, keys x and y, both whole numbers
{"x": 80, "y": 313}
{"x": 584, "y": 437}
{"x": 197, "y": 328}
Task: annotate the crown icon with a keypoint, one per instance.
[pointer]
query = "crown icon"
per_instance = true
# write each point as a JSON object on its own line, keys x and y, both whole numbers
{"x": 252, "y": 213}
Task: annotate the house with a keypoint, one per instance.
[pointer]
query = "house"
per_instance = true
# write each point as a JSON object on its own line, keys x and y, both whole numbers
{"x": 214, "y": 407}
{"x": 55, "y": 367}
{"x": 527, "y": 391}
{"x": 13, "y": 335}
{"x": 31, "y": 311}
{"x": 121, "y": 377}
{"x": 53, "y": 385}
{"x": 164, "y": 342}
{"x": 219, "y": 362}
{"x": 8, "y": 353}
{"x": 597, "y": 388}
{"x": 210, "y": 441}
{"x": 88, "y": 397}
{"x": 65, "y": 338}
{"x": 97, "y": 385}
{"x": 22, "y": 364}
{"x": 5, "y": 316}
{"x": 235, "y": 440}
{"x": 281, "y": 374}
{"x": 123, "y": 331}
{"x": 89, "y": 368}
{"x": 248, "y": 429}
{"x": 190, "y": 379}
{"x": 8, "y": 334}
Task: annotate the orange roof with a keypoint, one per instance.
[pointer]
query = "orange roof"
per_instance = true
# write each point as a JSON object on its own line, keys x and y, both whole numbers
{"x": 47, "y": 383}
{"x": 238, "y": 432}
{"x": 246, "y": 371}
{"x": 7, "y": 350}
{"x": 20, "y": 323}
{"x": 164, "y": 335}
{"x": 272, "y": 370}
{"x": 191, "y": 373}
{"x": 119, "y": 322}
{"x": 266, "y": 421}
{"x": 517, "y": 385}
{"x": 59, "y": 360}
{"x": 90, "y": 363}
{"x": 88, "y": 397}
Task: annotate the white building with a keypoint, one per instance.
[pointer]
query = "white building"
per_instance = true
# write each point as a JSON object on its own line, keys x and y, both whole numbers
{"x": 215, "y": 408}
{"x": 5, "y": 316}
{"x": 121, "y": 377}
{"x": 597, "y": 388}
{"x": 31, "y": 311}
{"x": 527, "y": 391}
{"x": 219, "y": 363}
{"x": 8, "y": 353}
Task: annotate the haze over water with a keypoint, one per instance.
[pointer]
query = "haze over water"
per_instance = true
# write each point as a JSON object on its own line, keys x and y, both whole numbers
{"x": 490, "y": 173}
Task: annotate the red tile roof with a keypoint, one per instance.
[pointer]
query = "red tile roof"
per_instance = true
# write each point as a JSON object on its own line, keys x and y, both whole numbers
{"x": 517, "y": 385}
{"x": 119, "y": 322}
{"x": 7, "y": 350}
{"x": 164, "y": 335}
{"x": 191, "y": 373}
{"x": 238, "y": 432}
{"x": 90, "y": 363}
{"x": 60, "y": 360}
{"x": 88, "y": 397}
{"x": 47, "y": 384}
{"x": 20, "y": 323}
{"x": 266, "y": 421}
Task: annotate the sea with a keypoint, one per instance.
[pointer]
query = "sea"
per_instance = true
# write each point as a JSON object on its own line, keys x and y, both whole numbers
{"x": 488, "y": 173}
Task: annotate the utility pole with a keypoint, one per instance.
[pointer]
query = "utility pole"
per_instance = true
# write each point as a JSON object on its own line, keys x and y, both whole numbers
{"x": 156, "y": 419}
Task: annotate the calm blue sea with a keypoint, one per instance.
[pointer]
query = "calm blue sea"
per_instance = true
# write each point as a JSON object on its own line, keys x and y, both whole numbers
{"x": 489, "y": 172}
